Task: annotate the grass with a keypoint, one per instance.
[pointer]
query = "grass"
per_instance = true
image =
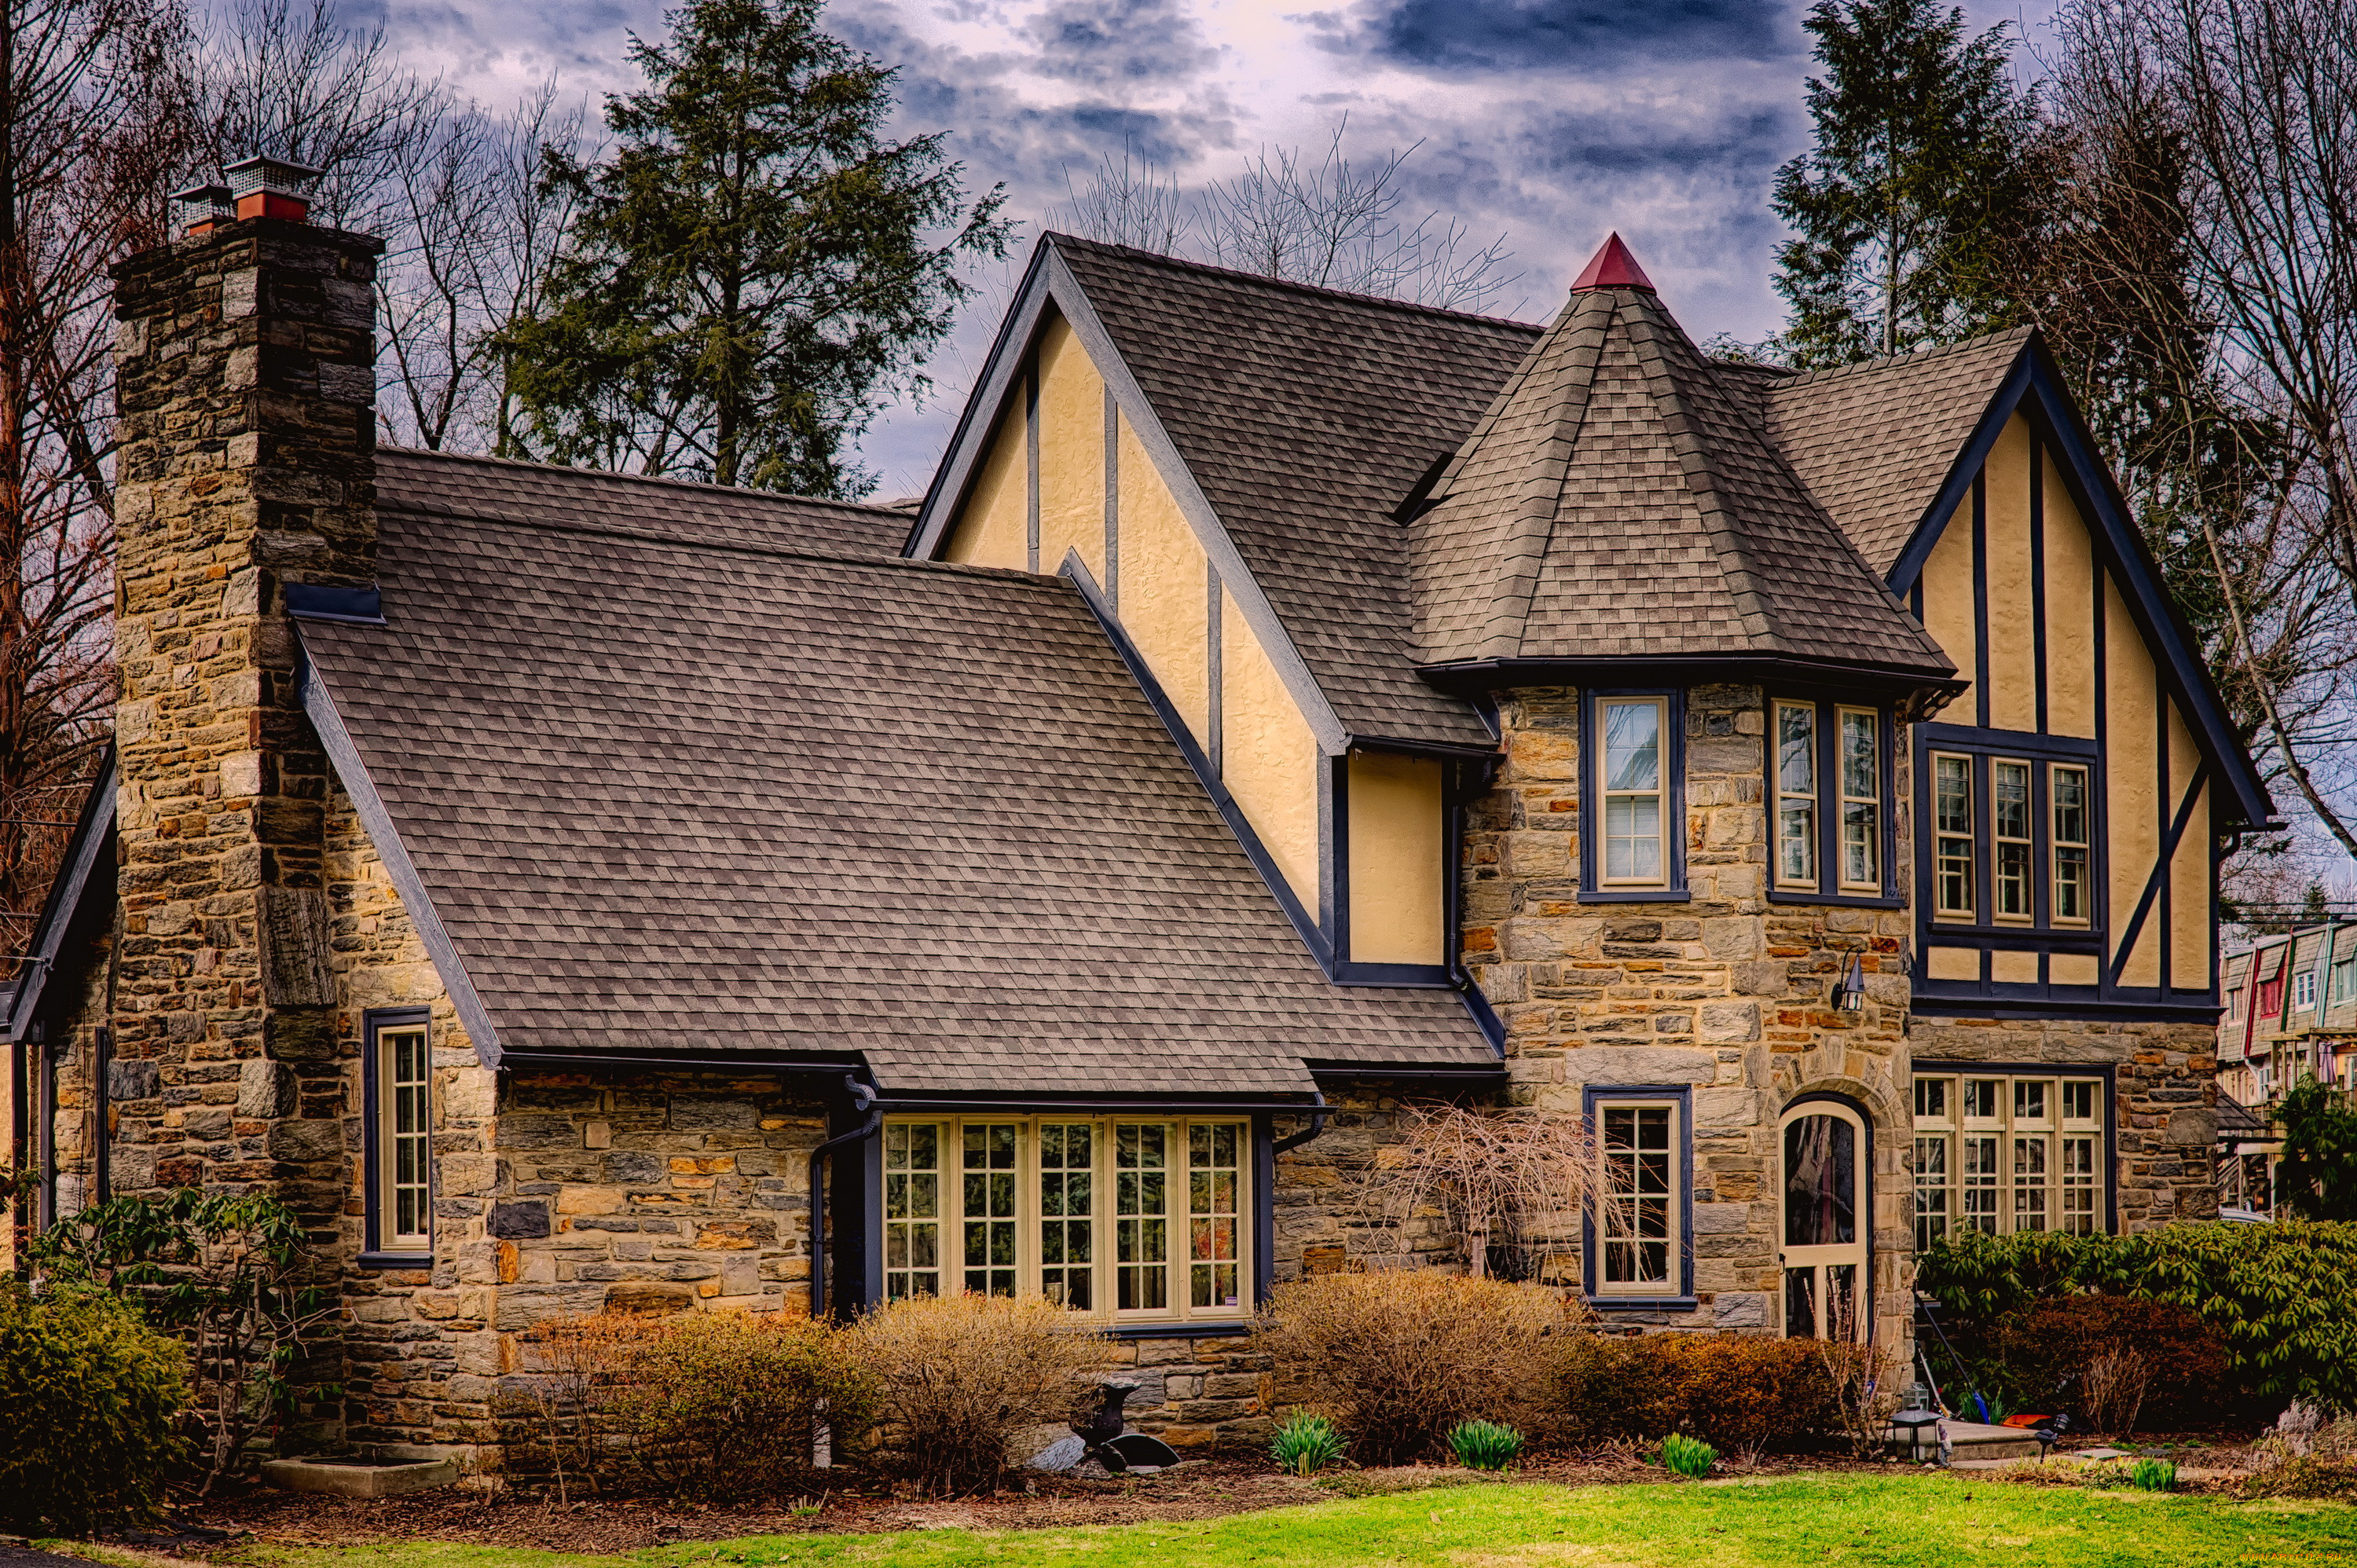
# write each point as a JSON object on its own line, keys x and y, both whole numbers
{"x": 1821, "y": 1521}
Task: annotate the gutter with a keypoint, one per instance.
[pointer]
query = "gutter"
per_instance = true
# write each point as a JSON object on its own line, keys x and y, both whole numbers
{"x": 1285, "y": 1146}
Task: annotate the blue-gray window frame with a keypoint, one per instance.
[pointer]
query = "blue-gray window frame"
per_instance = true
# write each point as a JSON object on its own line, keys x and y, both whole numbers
{"x": 1828, "y": 890}
{"x": 1673, "y": 801}
{"x": 372, "y": 1024}
{"x": 1593, "y": 1098}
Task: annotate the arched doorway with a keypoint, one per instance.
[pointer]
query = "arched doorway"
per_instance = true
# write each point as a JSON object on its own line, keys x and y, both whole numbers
{"x": 1827, "y": 1224}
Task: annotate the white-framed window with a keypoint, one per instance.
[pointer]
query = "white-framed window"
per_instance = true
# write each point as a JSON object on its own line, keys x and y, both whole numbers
{"x": 400, "y": 1134}
{"x": 2066, "y": 788}
{"x": 2344, "y": 981}
{"x": 1118, "y": 1217}
{"x": 2014, "y": 848}
{"x": 1639, "y": 1197}
{"x": 1951, "y": 837}
{"x": 1861, "y": 800}
{"x": 2303, "y": 990}
{"x": 1632, "y": 766}
{"x": 2001, "y": 1151}
{"x": 2234, "y": 1000}
{"x": 1796, "y": 795}
{"x": 1825, "y": 1228}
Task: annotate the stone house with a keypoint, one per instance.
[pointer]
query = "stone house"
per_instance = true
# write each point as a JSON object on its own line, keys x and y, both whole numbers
{"x": 577, "y": 890}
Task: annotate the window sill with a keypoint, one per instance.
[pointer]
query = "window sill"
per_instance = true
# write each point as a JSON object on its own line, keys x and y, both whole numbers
{"x": 394, "y": 1260}
{"x": 1127, "y": 1331}
{"x": 1844, "y": 900}
{"x": 1634, "y": 895}
{"x": 1644, "y": 1304}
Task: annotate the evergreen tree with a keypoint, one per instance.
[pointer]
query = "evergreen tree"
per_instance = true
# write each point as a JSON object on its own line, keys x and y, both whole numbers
{"x": 753, "y": 268}
{"x": 2316, "y": 1178}
{"x": 1910, "y": 213}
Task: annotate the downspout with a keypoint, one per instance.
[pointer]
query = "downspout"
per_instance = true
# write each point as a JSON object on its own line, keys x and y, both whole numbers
{"x": 1317, "y": 1114}
{"x": 862, "y": 1099}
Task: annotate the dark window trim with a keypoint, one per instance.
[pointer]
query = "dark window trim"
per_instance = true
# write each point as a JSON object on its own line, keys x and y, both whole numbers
{"x": 1828, "y": 706}
{"x": 2108, "y": 1071}
{"x": 373, "y": 1023}
{"x": 1592, "y": 1096}
{"x": 1673, "y": 798}
{"x": 1982, "y": 748}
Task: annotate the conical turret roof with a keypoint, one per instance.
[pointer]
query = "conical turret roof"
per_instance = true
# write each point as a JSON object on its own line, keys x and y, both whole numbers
{"x": 1620, "y": 501}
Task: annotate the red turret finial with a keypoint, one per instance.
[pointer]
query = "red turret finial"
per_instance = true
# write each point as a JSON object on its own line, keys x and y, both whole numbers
{"x": 1612, "y": 267}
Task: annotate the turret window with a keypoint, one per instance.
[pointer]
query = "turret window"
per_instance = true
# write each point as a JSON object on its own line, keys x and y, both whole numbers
{"x": 1829, "y": 768}
{"x": 1632, "y": 786}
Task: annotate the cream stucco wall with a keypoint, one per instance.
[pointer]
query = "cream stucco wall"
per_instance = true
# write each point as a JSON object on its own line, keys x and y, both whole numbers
{"x": 2131, "y": 781}
{"x": 2070, "y": 613}
{"x": 1268, "y": 758}
{"x": 1397, "y": 878}
{"x": 2012, "y": 606}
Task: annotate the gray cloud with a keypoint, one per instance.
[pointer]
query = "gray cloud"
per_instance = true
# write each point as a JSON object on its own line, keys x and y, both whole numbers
{"x": 1485, "y": 36}
{"x": 1108, "y": 43}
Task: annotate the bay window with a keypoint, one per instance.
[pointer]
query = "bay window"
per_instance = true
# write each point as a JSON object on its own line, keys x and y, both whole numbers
{"x": 1861, "y": 800}
{"x": 1117, "y": 1217}
{"x": 1796, "y": 794}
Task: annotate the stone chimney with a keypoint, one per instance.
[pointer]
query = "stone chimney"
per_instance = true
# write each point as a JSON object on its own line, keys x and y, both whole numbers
{"x": 245, "y": 369}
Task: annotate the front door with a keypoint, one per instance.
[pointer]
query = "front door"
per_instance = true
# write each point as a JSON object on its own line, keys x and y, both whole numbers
{"x": 1825, "y": 1228}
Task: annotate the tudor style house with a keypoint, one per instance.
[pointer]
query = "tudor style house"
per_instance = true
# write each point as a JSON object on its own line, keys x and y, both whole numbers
{"x": 576, "y": 890}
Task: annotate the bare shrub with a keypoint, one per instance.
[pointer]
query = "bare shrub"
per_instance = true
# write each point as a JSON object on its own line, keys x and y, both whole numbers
{"x": 1401, "y": 1355}
{"x": 721, "y": 1405}
{"x": 583, "y": 1363}
{"x": 957, "y": 1377}
{"x": 2112, "y": 1390}
{"x": 1864, "y": 1379}
{"x": 1512, "y": 1183}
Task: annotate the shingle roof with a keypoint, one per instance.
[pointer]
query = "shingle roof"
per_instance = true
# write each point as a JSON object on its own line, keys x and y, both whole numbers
{"x": 502, "y": 489}
{"x": 1308, "y": 416}
{"x": 685, "y": 796}
{"x": 1874, "y": 441}
{"x": 1620, "y": 501}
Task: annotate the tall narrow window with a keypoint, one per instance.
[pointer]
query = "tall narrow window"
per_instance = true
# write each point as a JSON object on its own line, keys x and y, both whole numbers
{"x": 1796, "y": 794}
{"x": 1213, "y": 1180}
{"x": 2009, "y": 786}
{"x": 1635, "y": 801}
{"x": 1861, "y": 801}
{"x": 1142, "y": 1210}
{"x": 1933, "y": 1182}
{"x": 990, "y": 1209}
{"x": 1638, "y": 1202}
{"x": 1951, "y": 789}
{"x": 405, "y": 1195}
{"x": 912, "y": 1209}
{"x": 1068, "y": 1214}
{"x": 2071, "y": 885}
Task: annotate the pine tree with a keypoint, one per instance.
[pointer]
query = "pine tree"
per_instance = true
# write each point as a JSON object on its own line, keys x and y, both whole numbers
{"x": 753, "y": 268}
{"x": 1910, "y": 212}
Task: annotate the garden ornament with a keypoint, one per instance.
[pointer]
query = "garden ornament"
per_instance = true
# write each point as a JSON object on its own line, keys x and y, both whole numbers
{"x": 1100, "y": 1429}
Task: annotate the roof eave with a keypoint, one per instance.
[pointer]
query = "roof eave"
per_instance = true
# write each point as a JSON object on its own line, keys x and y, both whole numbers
{"x": 66, "y": 893}
{"x": 1920, "y": 691}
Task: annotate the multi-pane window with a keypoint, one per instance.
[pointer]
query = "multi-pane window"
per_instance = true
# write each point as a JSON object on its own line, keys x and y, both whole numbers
{"x": 1638, "y": 1200}
{"x": 404, "y": 1183}
{"x": 2074, "y": 904}
{"x": 2011, "y": 1152}
{"x": 1796, "y": 794}
{"x": 1632, "y": 764}
{"x": 1108, "y": 1217}
{"x": 1951, "y": 849}
{"x": 1861, "y": 801}
{"x": 2303, "y": 990}
{"x": 2344, "y": 983}
{"x": 2009, "y": 821}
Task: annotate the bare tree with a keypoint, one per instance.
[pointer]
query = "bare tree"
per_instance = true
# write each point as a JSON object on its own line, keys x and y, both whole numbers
{"x": 1333, "y": 223}
{"x": 1507, "y": 1185}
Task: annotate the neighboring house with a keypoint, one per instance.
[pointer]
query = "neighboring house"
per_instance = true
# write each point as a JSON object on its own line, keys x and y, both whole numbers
{"x": 2291, "y": 1015}
{"x": 575, "y": 890}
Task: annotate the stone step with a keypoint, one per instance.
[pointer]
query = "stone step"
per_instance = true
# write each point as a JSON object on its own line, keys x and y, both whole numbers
{"x": 1967, "y": 1440}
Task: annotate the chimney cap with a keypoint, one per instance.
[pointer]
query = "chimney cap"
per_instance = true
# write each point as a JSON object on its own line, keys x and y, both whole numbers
{"x": 276, "y": 176}
{"x": 200, "y": 207}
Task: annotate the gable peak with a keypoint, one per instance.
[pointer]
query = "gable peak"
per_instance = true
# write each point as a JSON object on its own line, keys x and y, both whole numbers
{"x": 1612, "y": 266}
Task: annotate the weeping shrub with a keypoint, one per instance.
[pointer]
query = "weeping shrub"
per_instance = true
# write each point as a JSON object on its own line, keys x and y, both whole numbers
{"x": 92, "y": 1402}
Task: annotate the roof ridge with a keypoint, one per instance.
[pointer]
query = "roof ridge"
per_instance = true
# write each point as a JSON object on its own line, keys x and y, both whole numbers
{"x": 488, "y": 459}
{"x": 850, "y": 558}
{"x": 1887, "y": 361}
{"x": 1189, "y": 264}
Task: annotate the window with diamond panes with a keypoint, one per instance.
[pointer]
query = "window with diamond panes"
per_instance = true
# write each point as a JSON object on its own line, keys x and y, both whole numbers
{"x": 1215, "y": 1223}
{"x": 2005, "y": 1154}
{"x": 1113, "y": 1218}
{"x": 912, "y": 1209}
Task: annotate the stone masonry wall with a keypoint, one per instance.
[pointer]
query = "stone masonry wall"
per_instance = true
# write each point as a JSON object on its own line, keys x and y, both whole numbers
{"x": 1725, "y": 992}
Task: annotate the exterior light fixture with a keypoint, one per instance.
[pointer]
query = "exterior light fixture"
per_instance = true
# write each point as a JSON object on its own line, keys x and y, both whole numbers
{"x": 1849, "y": 995}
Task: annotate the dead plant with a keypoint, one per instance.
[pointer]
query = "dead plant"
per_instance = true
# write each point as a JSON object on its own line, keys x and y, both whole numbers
{"x": 1510, "y": 1184}
{"x": 1864, "y": 1378}
{"x": 2112, "y": 1390}
{"x": 584, "y": 1364}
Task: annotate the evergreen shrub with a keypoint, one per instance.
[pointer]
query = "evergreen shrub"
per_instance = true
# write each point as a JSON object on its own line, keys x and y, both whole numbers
{"x": 91, "y": 1402}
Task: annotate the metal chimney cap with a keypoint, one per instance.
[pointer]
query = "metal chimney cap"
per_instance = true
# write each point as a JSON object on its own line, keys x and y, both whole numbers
{"x": 276, "y": 176}
{"x": 201, "y": 206}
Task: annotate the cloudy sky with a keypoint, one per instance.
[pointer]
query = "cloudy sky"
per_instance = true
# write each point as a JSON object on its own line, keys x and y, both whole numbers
{"x": 1550, "y": 121}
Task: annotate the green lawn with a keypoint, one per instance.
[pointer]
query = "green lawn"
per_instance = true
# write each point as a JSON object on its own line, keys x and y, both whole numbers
{"x": 1906, "y": 1522}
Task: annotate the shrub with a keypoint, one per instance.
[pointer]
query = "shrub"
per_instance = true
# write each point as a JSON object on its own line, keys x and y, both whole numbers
{"x": 1737, "y": 1393}
{"x": 1306, "y": 1444}
{"x": 957, "y": 1377}
{"x": 2153, "y": 1475}
{"x": 725, "y": 1406}
{"x": 1404, "y": 1356}
{"x": 2034, "y": 1351}
{"x": 2113, "y": 1390}
{"x": 1687, "y": 1457}
{"x": 560, "y": 1423}
{"x": 2282, "y": 1298}
{"x": 1484, "y": 1445}
{"x": 91, "y": 1401}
